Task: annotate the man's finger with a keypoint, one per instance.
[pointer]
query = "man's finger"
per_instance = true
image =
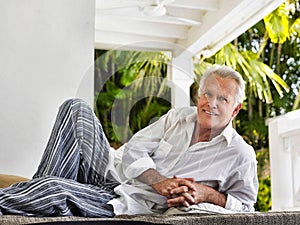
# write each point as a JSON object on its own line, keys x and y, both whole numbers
{"x": 166, "y": 193}
{"x": 179, "y": 201}
{"x": 179, "y": 190}
{"x": 189, "y": 179}
{"x": 188, "y": 198}
{"x": 185, "y": 182}
{"x": 176, "y": 201}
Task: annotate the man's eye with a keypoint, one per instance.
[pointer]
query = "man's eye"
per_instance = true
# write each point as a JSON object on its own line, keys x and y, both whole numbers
{"x": 207, "y": 94}
{"x": 223, "y": 99}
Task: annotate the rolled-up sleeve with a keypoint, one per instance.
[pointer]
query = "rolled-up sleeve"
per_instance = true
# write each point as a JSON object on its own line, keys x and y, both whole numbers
{"x": 138, "y": 167}
{"x": 242, "y": 189}
{"x": 138, "y": 151}
{"x": 236, "y": 205}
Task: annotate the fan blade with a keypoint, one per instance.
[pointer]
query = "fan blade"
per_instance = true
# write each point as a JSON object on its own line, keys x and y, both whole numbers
{"x": 154, "y": 11}
{"x": 183, "y": 20}
{"x": 166, "y": 2}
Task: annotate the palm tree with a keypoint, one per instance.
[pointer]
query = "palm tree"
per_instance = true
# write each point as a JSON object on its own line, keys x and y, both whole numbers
{"x": 130, "y": 90}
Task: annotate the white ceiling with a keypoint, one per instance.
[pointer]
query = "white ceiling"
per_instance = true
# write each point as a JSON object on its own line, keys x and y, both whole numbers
{"x": 192, "y": 25}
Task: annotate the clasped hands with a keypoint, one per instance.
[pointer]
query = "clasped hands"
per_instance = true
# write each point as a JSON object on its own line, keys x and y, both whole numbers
{"x": 182, "y": 191}
{"x": 179, "y": 191}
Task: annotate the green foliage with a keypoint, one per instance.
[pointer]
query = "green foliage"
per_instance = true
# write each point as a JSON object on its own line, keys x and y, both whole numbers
{"x": 277, "y": 24}
{"x": 142, "y": 116}
{"x": 130, "y": 90}
{"x": 264, "y": 202}
{"x": 263, "y": 162}
{"x": 257, "y": 74}
{"x": 254, "y": 133}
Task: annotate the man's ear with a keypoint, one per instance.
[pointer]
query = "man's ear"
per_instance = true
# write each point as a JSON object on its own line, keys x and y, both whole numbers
{"x": 236, "y": 110}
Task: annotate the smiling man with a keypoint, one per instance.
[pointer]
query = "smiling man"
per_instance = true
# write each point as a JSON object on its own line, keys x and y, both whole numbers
{"x": 218, "y": 103}
{"x": 200, "y": 145}
{"x": 190, "y": 159}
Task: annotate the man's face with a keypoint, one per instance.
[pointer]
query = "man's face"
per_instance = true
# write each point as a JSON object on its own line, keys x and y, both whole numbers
{"x": 216, "y": 103}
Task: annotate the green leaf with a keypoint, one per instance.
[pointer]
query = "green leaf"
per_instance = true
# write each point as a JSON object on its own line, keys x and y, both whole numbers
{"x": 277, "y": 24}
{"x": 297, "y": 101}
{"x": 129, "y": 76}
{"x": 295, "y": 28}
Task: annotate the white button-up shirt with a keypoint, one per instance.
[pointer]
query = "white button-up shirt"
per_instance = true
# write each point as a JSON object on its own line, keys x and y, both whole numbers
{"x": 226, "y": 163}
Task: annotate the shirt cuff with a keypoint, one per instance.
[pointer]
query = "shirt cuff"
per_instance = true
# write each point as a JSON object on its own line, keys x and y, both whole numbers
{"x": 233, "y": 204}
{"x": 138, "y": 167}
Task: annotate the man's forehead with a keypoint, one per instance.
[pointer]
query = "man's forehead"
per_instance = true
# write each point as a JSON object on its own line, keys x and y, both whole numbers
{"x": 217, "y": 85}
{"x": 215, "y": 90}
{"x": 217, "y": 78}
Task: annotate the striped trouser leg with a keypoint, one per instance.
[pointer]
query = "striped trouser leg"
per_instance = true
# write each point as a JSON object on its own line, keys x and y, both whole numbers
{"x": 53, "y": 196}
{"x": 77, "y": 148}
{"x": 70, "y": 178}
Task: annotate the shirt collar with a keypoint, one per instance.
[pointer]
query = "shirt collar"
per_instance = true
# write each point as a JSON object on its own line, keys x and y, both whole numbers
{"x": 228, "y": 132}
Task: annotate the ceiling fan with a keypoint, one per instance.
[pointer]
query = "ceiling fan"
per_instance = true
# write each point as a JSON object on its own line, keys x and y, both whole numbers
{"x": 157, "y": 8}
{"x": 152, "y": 9}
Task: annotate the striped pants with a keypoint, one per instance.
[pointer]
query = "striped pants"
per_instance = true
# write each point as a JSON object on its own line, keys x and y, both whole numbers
{"x": 70, "y": 178}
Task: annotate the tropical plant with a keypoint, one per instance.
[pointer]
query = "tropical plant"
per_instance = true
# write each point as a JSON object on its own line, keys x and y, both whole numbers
{"x": 130, "y": 91}
{"x": 264, "y": 202}
{"x": 256, "y": 74}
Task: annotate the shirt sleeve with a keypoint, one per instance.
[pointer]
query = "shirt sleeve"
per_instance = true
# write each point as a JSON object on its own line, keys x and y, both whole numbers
{"x": 236, "y": 205}
{"x": 242, "y": 188}
{"x": 138, "y": 151}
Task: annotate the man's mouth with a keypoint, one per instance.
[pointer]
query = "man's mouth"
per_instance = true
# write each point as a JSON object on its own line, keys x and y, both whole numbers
{"x": 209, "y": 113}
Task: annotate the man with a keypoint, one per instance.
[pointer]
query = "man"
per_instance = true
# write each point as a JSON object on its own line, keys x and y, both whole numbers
{"x": 189, "y": 159}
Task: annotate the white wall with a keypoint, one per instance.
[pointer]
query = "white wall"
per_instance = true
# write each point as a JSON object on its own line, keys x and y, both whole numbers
{"x": 46, "y": 56}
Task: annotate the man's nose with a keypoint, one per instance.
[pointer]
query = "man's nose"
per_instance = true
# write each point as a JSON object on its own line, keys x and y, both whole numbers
{"x": 212, "y": 102}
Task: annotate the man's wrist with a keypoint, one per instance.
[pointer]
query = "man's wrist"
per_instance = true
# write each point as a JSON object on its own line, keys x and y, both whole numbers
{"x": 216, "y": 198}
{"x": 151, "y": 177}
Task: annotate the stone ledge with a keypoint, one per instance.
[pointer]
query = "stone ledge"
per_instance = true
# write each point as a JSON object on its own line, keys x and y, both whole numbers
{"x": 284, "y": 218}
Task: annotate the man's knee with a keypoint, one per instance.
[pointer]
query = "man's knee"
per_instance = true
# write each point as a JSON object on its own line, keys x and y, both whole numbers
{"x": 76, "y": 104}
{"x": 73, "y": 101}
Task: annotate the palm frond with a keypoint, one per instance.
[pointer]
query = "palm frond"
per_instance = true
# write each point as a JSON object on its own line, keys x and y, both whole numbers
{"x": 256, "y": 74}
{"x": 277, "y": 24}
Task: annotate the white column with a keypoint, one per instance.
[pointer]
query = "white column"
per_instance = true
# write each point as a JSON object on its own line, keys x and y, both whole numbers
{"x": 181, "y": 77}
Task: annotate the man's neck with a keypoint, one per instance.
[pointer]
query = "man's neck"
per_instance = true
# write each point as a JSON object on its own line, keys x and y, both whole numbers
{"x": 204, "y": 134}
